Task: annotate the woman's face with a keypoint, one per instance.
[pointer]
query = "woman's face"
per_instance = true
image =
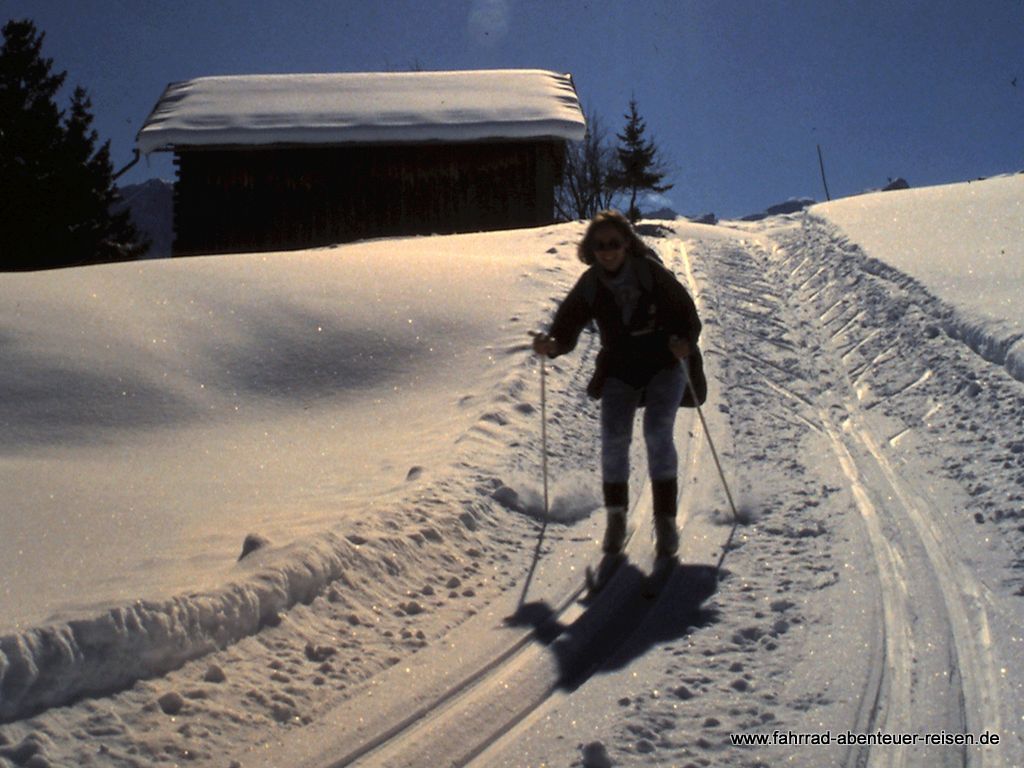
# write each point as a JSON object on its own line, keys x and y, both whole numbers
{"x": 609, "y": 247}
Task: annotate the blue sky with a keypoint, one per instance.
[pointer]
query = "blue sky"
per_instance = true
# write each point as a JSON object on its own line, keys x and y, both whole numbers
{"x": 738, "y": 93}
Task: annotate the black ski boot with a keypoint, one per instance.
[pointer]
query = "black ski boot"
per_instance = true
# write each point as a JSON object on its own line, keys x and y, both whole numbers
{"x": 616, "y": 501}
{"x": 665, "y": 494}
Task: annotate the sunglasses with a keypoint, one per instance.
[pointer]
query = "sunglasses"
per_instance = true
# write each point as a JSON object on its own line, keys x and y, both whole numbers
{"x": 607, "y": 245}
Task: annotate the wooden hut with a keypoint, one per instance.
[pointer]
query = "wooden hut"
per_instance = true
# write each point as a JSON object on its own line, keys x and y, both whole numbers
{"x": 291, "y": 161}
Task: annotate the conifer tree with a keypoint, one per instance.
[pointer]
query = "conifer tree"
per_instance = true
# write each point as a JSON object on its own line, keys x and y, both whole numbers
{"x": 89, "y": 185}
{"x": 640, "y": 166}
{"x": 56, "y": 186}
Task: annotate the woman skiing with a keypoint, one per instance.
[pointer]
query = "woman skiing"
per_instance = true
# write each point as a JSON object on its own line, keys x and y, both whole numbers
{"x": 648, "y": 324}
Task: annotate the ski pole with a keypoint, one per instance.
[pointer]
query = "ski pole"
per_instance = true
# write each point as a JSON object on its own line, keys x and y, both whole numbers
{"x": 544, "y": 429}
{"x": 544, "y": 432}
{"x": 544, "y": 471}
{"x": 721, "y": 473}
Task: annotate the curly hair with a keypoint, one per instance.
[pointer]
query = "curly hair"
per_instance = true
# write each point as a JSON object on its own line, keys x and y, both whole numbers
{"x": 634, "y": 245}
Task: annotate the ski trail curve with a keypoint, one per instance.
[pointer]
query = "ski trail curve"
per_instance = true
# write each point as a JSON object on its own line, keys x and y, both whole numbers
{"x": 966, "y": 600}
{"x": 886, "y": 699}
{"x": 942, "y": 669}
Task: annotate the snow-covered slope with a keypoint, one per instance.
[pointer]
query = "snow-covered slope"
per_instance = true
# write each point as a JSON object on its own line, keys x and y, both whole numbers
{"x": 246, "y": 377}
{"x": 158, "y": 413}
{"x": 964, "y": 245}
{"x": 373, "y": 410}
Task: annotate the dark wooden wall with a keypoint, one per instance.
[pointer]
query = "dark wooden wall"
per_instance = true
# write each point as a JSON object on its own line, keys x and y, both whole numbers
{"x": 245, "y": 199}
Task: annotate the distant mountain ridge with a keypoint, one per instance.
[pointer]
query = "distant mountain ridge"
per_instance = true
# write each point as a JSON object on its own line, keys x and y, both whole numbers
{"x": 793, "y": 205}
{"x": 151, "y": 204}
{"x": 671, "y": 214}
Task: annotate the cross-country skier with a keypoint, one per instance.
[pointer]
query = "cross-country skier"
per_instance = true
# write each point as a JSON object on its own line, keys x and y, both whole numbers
{"x": 648, "y": 325}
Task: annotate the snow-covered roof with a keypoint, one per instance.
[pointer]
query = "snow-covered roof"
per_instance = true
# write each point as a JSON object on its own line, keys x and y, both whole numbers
{"x": 383, "y": 107}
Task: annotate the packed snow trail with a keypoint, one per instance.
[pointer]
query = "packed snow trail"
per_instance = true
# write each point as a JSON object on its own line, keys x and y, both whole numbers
{"x": 497, "y": 670}
{"x": 946, "y": 674}
{"x": 939, "y": 671}
{"x": 853, "y": 604}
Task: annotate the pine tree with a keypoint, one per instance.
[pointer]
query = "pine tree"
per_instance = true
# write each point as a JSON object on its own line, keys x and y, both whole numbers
{"x": 91, "y": 192}
{"x": 56, "y": 187}
{"x": 640, "y": 165}
{"x": 29, "y": 135}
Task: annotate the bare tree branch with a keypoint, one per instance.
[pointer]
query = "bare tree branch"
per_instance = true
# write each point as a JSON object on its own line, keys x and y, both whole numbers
{"x": 589, "y": 166}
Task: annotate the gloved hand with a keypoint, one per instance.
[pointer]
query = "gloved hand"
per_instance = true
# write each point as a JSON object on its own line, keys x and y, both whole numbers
{"x": 545, "y": 345}
{"x": 680, "y": 347}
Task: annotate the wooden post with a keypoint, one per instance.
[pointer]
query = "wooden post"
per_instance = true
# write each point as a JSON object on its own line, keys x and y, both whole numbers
{"x": 821, "y": 163}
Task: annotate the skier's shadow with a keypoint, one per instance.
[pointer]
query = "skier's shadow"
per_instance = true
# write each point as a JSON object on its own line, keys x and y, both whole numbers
{"x": 621, "y": 624}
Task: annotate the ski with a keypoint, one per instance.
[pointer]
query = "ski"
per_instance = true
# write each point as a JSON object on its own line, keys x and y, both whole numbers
{"x": 661, "y": 572}
{"x": 597, "y": 578}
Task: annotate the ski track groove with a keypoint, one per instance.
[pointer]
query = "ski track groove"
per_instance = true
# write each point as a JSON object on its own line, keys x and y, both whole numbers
{"x": 858, "y": 314}
{"x": 812, "y": 278}
{"x": 884, "y": 356}
{"x": 785, "y": 391}
{"x": 964, "y": 597}
{"x": 972, "y": 667}
{"x": 526, "y": 668}
{"x": 867, "y": 339}
{"x": 823, "y": 317}
{"x": 915, "y": 381}
{"x": 790, "y": 374}
{"x": 892, "y": 697}
{"x": 934, "y": 668}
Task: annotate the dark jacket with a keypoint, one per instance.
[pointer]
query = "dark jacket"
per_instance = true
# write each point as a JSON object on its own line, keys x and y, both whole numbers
{"x": 635, "y": 352}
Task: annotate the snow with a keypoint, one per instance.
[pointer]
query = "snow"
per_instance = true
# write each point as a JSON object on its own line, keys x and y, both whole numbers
{"x": 372, "y": 410}
{"x": 965, "y": 249}
{"x": 246, "y": 376}
{"x": 351, "y": 107}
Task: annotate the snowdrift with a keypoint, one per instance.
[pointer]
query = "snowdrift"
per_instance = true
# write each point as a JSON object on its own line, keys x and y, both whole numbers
{"x": 156, "y": 412}
{"x": 51, "y": 665}
{"x": 959, "y": 245}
